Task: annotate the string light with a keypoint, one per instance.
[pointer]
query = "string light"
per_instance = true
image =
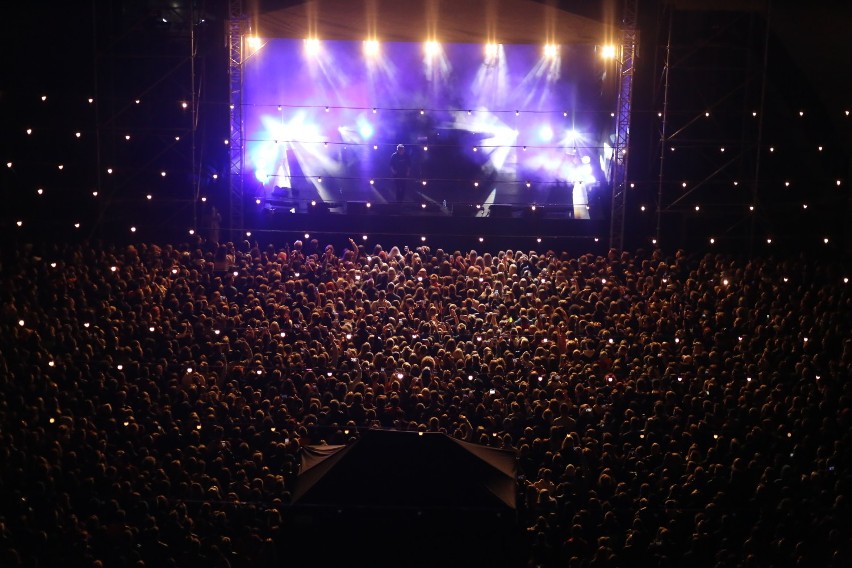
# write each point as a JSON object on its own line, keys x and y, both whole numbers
{"x": 184, "y": 104}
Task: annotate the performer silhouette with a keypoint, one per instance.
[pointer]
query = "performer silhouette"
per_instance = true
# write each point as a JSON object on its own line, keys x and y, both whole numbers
{"x": 400, "y": 165}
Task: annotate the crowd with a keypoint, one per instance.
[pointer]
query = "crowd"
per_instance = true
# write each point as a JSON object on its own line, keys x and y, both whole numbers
{"x": 666, "y": 410}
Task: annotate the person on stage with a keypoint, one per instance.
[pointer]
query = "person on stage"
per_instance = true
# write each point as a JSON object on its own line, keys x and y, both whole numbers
{"x": 400, "y": 165}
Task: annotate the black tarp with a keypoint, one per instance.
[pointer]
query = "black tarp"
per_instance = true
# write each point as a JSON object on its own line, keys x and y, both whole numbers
{"x": 394, "y": 498}
{"x": 385, "y": 468}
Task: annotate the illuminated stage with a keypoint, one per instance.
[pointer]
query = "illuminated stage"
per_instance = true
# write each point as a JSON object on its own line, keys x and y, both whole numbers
{"x": 520, "y": 133}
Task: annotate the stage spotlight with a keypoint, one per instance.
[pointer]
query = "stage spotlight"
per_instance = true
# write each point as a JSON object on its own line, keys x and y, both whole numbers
{"x": 608, "y": 52}
{"x": 491, "y": 50}
{"x": 551, "y": 50}
{"x": 371, "y": 48}
{"x": 432, "y": 48}
{"x": 254, "y": 42}
{"x": 365, "y": 129}
{"x": 545, "y": 133}
{"x": 312, "y": 47}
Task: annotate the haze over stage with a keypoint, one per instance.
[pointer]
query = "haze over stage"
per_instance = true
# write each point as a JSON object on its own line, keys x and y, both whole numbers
{"x": 507, "y": 125}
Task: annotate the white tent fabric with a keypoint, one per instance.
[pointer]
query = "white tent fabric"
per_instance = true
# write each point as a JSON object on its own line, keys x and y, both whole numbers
{"x": 448, "y": 21}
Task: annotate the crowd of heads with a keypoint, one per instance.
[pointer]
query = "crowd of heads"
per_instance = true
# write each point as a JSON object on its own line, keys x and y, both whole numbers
{"x": 664, "y": 408}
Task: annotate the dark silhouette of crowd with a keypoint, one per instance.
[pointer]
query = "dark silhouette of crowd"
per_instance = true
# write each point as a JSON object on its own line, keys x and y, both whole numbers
{"x": 666, "y": 410}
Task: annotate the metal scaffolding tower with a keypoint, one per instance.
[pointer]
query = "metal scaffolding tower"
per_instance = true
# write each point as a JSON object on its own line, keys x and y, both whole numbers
{"x": 629, "y": 39}
{"x": 236, "y": 28}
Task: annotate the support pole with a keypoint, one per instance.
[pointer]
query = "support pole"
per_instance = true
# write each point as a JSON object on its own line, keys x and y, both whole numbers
{"x": 663, "y": 133}
{"x": 759, "y": 150}
{"x": 629, "y": 39}
{"x": 236, "y": 29}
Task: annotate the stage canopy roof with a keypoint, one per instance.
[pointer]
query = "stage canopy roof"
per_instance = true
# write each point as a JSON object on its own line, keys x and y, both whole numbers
{"x": 447, "y": 21}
